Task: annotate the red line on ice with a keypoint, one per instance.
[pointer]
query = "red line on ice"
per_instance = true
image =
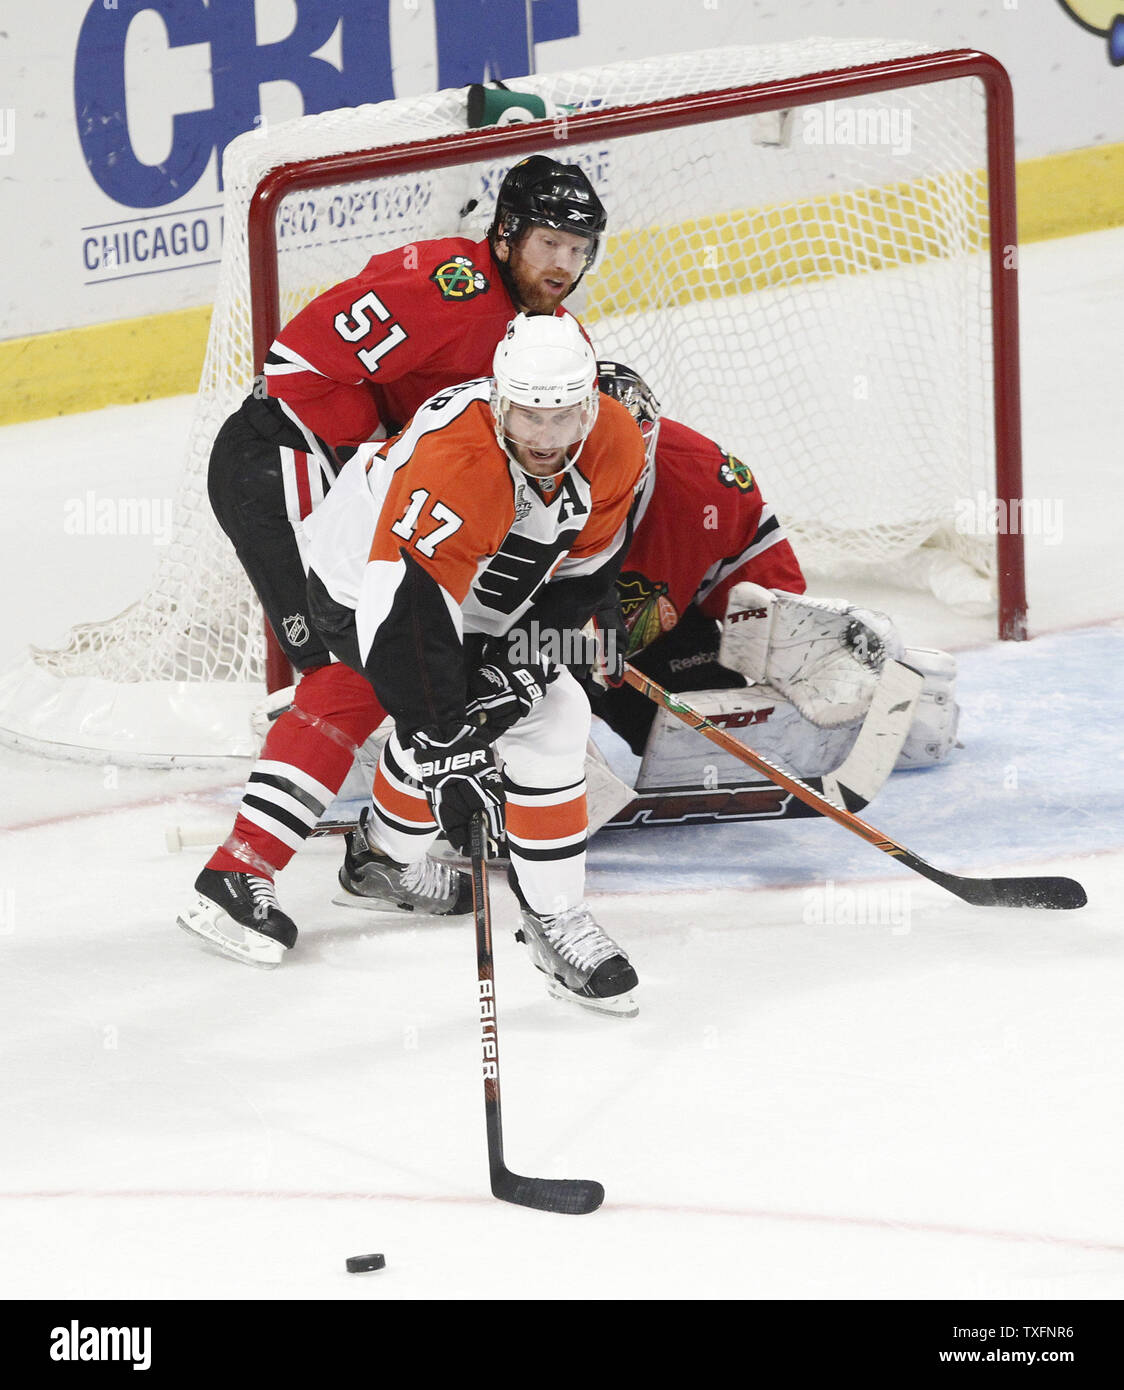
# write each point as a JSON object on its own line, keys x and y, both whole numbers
{"x": 870, "y": 1223}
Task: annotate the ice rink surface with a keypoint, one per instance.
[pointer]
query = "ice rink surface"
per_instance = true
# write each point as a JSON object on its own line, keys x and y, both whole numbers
{"x": 843, "y": 1083}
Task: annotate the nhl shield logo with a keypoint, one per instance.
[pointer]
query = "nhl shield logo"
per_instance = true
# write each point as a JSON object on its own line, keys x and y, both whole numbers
{"x": 296, "y": 629}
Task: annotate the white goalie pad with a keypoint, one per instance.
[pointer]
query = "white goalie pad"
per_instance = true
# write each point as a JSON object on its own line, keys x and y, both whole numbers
{"x": 932, "y": 735}
{"x": 676, "y": 755}
{"x": 266, "y": 711}
{"x": 605, "y": 793}
{"x": 822, "y": 655}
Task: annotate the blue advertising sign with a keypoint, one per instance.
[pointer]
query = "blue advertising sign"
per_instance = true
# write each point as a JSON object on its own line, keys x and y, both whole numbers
{"x": 476, "y": 40}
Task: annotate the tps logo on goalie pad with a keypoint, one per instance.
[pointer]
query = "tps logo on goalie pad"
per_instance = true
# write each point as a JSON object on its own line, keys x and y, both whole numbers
{"x": 734, "y": 473}
{"x": 459, "y": 279}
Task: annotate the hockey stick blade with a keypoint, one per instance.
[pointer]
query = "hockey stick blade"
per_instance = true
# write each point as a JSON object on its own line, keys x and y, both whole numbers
{"x": 1062, "y": 893}
{"x": 569, "y": 1196}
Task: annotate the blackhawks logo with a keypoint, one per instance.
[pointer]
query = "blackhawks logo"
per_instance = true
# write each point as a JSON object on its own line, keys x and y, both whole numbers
{"x": 646, "y": 609}
{"x": 734, "y": 473}
{"x": 458, "y": 278}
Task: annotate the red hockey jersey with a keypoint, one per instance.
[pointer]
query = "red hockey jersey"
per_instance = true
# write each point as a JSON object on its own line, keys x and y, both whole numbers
{"x": 359, "y": 360}
{"x": 701, "y": 528}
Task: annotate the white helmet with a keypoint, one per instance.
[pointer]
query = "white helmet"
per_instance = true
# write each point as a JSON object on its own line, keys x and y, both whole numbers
{"x": 543, "y": 362}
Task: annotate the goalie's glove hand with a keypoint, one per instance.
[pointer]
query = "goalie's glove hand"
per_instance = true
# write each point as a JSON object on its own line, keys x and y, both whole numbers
{"x": 823, "y": 655}
{"x": 611, "y": 636}
{"x": 500, "y": 692}
{"x": 459, "y": 773}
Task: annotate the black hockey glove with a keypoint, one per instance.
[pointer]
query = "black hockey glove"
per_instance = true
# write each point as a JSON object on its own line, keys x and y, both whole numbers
{"x": 500, "y": 692}
{"x": 460, "y": 777}
{"x": 612, "y": 643}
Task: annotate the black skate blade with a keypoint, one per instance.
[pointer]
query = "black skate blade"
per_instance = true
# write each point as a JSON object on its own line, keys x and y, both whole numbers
{"x": 344, "y": 897}
{"x": 569, "y": 1196}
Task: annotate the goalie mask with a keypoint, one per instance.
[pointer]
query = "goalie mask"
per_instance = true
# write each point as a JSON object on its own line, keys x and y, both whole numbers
{"x": 634, "y": 393}
{"x": 540, "y": 192}
{"x": 544, "y": 394}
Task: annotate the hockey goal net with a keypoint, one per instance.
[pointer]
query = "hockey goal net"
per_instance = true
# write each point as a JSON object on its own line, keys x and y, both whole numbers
{"x": 810, "y": 258}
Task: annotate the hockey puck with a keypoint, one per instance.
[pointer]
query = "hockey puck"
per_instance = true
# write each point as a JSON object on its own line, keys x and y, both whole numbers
{"x": 359, "y": 1264}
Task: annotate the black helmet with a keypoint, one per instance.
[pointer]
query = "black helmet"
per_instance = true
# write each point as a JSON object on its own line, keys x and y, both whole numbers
{"x": 539, "y": 192}
{"x": 629, "y": 387}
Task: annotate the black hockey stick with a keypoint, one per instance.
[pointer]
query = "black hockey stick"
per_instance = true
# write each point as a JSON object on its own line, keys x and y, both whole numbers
{"x": 980, "y": 892}
{"x": 571, "y": 1196}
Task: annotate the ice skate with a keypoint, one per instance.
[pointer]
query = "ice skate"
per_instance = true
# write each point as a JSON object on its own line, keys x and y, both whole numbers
{"x": 371, "y": 879}
{"x": 582, "y": 964}
{"x": 239, "y": 915}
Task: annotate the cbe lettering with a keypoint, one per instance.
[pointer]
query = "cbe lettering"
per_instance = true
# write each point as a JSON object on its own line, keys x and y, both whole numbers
{"x": 240, "y": 63}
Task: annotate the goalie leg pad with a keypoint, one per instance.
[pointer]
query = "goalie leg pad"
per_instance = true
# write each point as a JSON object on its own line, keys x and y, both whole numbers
{"x": 932, "y": 735}
{"x": 605, "y": 793}
{"x": 676, "y": 756}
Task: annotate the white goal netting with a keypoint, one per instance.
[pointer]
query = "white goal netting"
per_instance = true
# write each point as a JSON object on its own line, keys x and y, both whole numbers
{"x": 810, "y": 286}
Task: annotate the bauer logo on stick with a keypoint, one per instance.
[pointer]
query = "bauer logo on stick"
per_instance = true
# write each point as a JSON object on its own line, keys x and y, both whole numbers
{"x": 459, "y": 279}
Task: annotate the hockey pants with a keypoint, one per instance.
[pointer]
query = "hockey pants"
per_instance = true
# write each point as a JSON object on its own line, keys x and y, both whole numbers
{"x": 543, "y": 760}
